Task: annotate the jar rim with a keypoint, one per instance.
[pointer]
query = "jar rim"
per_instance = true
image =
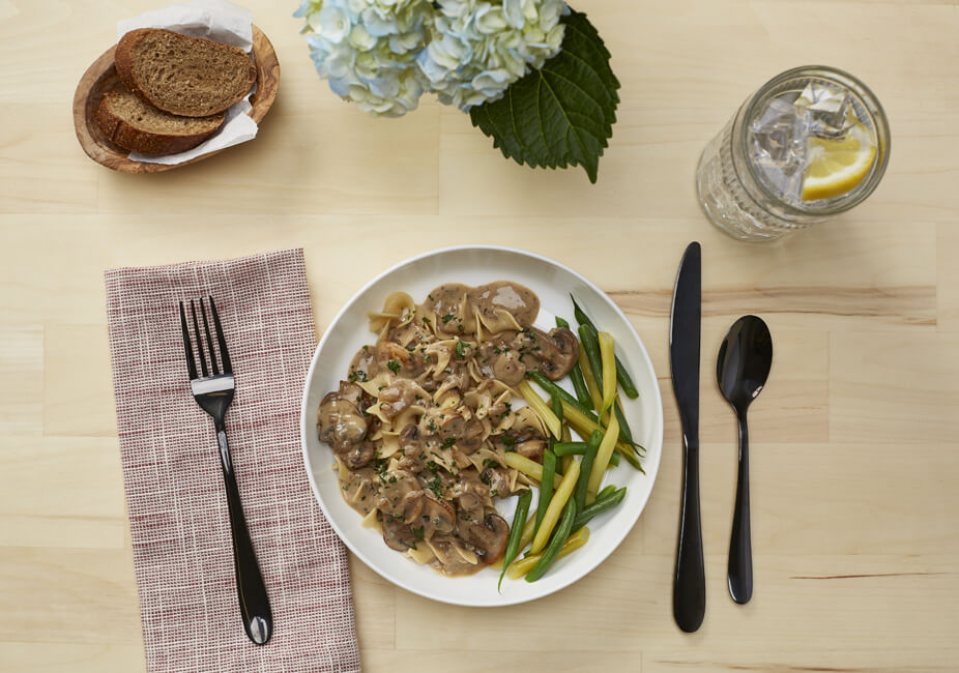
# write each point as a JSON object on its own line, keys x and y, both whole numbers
{"x": 873, "y": 107}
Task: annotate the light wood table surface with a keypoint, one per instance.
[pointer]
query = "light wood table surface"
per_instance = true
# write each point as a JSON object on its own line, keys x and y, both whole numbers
{"x": 855, "y": 462}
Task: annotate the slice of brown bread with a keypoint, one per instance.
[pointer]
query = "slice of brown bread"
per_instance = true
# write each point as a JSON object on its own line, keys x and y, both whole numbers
{"x": 134, "y": 125}
{"x": 183, "y": 75}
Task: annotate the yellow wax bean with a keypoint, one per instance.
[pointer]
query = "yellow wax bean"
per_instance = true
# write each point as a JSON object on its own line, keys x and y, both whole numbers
{"x": 602, "y": 459}
{"x": 521, "y": 567}
{"x": 556, "y": 504}
{"x": 529, "y": 467}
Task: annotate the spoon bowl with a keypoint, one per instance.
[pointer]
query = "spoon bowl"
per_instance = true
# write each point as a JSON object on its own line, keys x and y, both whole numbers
{"x": 745, "y": 359}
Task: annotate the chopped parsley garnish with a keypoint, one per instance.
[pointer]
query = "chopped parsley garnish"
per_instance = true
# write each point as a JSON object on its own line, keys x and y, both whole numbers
{"x": 419, "y": 532}
{"x": 436, "y": 485}
{"x": 394, "y": 366}
{"x": 459, "y": 349}
{"x": 446, "y": 318}
{"x": 448, "y": 442}
{"x": 425, "y": 319}
{"x": 357, "y": 375}
{"x": 489, "y": 462}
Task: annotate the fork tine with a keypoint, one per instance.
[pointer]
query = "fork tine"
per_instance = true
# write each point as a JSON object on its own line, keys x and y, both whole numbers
{"x": 199, "y": 341}
{"x": 190, "y": 362}
{"x": 209, "y": 341}
{"x": 224, "y": 353}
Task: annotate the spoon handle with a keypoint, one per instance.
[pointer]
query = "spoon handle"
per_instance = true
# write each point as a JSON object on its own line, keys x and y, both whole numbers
{"x": 740, "y": 570}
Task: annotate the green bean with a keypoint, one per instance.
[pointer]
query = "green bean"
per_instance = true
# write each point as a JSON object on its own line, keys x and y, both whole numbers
{"x": 598, "y": 507}
{"x": 550, "y": 388}
{"x": 563, "y": 529}
{"x": 614, "y": 459}
{"x": 545, "y": 487}
{"x": 622, "y": 375}
{"x": 515, "y": 533}
{"x": 579, "y": 493}
{"x": 589, "y": 337}
{"x": 554, "y": 390}
{"x": 579, "y": 385}
{"x": 556, "y": 402}
{"x": 625, "y": 433}
{"x": 606, "y": 492}
{"x": 576, "y": 375}
{"x": 569, "y": 448}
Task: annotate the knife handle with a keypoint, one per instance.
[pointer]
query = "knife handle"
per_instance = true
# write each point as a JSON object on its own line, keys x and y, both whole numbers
{"x": 689, "y": 587}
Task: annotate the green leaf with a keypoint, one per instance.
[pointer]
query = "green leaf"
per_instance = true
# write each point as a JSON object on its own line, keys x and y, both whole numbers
{"x": 563, "y": 114}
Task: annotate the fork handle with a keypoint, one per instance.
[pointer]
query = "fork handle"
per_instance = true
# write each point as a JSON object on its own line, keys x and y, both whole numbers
{"x": 254, "y": 602}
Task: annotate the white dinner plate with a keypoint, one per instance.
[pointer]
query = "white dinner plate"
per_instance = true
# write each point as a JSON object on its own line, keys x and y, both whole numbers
{"x": 553, "y": 283}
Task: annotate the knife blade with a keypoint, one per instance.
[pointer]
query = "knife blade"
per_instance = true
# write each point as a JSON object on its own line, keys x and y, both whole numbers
{"x": 689, "y": 583}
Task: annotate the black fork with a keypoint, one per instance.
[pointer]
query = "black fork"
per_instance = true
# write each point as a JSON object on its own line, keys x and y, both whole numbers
{"x": 213, "y": 391}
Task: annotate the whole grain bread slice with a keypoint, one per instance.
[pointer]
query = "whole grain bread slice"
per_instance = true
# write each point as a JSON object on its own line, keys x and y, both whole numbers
{"x": 183, "y": 75}
{"x": 136, "y": 126}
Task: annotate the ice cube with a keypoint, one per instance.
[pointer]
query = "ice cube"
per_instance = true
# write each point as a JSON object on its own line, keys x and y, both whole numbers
{"x": 778, "y": 146}
{"x": 830, "y": 109}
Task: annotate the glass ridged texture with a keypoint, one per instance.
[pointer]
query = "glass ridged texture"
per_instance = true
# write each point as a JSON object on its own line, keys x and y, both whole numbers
{"x": 750, "y": 176}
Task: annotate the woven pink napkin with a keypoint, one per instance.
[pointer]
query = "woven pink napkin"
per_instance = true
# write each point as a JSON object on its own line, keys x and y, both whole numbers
{"x": 177, "y": 504}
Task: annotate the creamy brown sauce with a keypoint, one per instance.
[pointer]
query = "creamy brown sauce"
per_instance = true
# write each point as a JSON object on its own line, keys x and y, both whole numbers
{"x": 422, "y": 423}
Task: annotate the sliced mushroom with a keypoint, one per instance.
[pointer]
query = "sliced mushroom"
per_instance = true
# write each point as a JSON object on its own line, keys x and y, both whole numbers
{"x": 398, "y": 535}
{"x": 437, "y": 516}
{"x": 400, "y": 396}
{"x": 498, "y": 481}
{"x": 451, "y": 425}
{"x": 471, "y": 505}
{"x": 563, "y": 355}
{"x": 489, "y": 538}
{"x": 553, "y": 354}
{"x": 508, "y": 368}
{"x": 356, "y": 455}
{"x": 340, "y": 423}
{"x": 472, "y": 437}
{"x": 532, "y": 449}
{"x": 398, "y": 490}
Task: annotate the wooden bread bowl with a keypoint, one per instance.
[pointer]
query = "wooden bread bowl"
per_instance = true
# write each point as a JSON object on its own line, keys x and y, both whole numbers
{"x": 101, "y": 77}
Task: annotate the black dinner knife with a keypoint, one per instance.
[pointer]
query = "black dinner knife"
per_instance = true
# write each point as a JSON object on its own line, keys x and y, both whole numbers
{"x": 689, "y": 584}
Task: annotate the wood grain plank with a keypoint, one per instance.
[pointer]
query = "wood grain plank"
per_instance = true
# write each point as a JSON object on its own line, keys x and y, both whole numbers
{"x": 816, "y": 498}
{"x": 894, "y": 388}
{"x": 895, "y": 605}
{"x": 947, "y": 288}
{"x": 21, "y": 395}
{"x": 375, "y": 606}
{"x": 79, "y": 404}
{"x": 66, "y": 511}
{"x": 51, "y": 595}
{"x": 440, "y": 658}
{"x": 77, "y": 658}
{"x": 42, "y": 168}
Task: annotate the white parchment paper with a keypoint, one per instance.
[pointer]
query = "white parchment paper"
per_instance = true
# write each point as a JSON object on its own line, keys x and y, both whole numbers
{"x": 216, "y": 20}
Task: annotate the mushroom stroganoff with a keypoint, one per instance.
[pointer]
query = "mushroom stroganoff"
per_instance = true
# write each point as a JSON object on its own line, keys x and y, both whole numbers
{"x": 421, "y": 425}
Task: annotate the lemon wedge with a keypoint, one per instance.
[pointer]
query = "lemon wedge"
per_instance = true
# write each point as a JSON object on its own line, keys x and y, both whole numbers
{"x": 835, "y": 167}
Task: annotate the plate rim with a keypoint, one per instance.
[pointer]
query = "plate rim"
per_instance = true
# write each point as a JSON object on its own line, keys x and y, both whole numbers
{"x": 314, "y": 360}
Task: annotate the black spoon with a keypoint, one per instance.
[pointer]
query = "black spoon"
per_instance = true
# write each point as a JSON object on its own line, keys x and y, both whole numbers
{"x": 744, "y": 361}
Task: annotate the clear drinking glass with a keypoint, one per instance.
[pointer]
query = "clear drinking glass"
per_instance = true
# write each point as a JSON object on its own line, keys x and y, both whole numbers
{"x": 752, "y": 178}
